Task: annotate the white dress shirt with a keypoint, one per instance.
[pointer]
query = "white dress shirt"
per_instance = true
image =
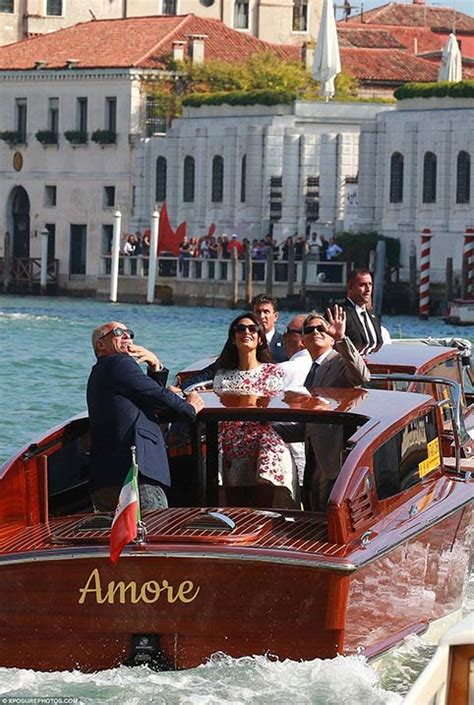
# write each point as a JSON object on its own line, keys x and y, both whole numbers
{"x": 295, "y": 370}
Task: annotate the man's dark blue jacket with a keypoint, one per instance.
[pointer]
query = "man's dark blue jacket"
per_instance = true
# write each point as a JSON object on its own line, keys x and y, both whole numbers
{"x": 122, "y": 401}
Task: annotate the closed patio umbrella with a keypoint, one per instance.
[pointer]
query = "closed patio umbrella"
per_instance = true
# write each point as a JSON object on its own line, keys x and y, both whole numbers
{"x": 327, "y": 62}
{"x": 451, "y": 67}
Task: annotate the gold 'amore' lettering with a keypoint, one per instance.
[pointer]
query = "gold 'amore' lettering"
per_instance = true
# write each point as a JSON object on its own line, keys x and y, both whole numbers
{"x": 149, "y": 592}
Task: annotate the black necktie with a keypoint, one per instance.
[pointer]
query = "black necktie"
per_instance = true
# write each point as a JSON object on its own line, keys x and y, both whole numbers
{"x": 309, "y": 381}
{"x": 368, "y": 330}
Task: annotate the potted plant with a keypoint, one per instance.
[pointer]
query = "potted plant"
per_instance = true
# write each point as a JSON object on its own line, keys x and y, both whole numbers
{"x": 13, "y": 137}
{"x": 47, "y": 137}
{"x": 76, "y": 136}
{"x": 104, "y": 137}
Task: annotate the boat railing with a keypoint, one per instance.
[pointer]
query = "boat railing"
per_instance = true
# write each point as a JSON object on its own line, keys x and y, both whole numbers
{"x": 460, "y": 434}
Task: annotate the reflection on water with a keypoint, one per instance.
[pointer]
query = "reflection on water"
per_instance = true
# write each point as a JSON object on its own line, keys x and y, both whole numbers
{"x": 43, "y": 371}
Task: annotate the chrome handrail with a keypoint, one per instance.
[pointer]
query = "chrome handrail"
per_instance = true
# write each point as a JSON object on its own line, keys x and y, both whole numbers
{"x": 460, "y": 434}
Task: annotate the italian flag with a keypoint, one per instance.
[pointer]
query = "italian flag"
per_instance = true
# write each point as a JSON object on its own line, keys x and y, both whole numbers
{"x": 127, "y": 515}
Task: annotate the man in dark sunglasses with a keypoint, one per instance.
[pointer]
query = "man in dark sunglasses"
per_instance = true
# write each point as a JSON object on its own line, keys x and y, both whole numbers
{"x": 122, "y": 404}
{"x": 336, "y": 363}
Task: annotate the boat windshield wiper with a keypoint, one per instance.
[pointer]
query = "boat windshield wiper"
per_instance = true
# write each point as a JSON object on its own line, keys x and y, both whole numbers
{"x": 460, "y": 433}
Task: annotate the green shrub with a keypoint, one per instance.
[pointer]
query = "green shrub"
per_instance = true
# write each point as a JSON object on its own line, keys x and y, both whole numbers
{"x": 357, "y": 247}
{"x": 258, "y": 97}
{"x": 444, "y": 89}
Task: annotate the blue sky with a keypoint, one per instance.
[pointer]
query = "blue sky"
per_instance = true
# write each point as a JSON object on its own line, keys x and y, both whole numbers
{"x": 466, "y": 6}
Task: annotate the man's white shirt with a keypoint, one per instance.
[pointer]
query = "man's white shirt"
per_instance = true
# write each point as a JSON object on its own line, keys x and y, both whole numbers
{"x": 295, "y": 370}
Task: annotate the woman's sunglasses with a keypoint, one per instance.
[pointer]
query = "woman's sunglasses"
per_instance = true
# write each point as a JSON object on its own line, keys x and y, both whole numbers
{"x": 242, "y": 328}
{"x": 309, "y": 330}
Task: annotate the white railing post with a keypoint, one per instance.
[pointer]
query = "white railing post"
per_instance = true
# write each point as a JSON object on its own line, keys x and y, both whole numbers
{"x": 155, "y": 223}
{"x": 44, "y": 260}
{"x": 114, "y": 268}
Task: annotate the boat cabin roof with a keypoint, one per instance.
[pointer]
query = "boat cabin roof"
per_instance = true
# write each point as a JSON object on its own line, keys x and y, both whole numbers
{"x": 409, "y": 357}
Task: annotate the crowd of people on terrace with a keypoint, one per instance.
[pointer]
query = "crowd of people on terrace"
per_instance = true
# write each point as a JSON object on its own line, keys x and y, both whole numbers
{"x": 263, "y": 464}
{"x": 316, "y": 246}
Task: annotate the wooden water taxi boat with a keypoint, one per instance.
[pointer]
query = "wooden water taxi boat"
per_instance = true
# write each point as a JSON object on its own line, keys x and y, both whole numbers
{"x": 386, "y": 559}
{"x": 448, "y": 679}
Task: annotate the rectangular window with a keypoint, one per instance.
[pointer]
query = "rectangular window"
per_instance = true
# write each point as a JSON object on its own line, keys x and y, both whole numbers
{"x": 81, "y": 114}
{"x": 50, "y": 196}
{"x": 54, "y": 7}
{"x": 276, "y": 198}
{"x": 6, "y": 6}
{"x": 155, "y": 124}
{"x": 312, "y": 199}
{"x": 241, "y": 14}
{"x": 300, "y": 15}
{"x": 77, "y": 249}
{"x": 406, "y": 458}
{"x": 107, "y": 237}
{"x": 51, "y": 228}
{"x": 53, "y": 115}
{"x": 170, "y": 7}
{"x": 21, "y": 117}
{"x": 109, "y": 196}
{"x": 111, "y": 114}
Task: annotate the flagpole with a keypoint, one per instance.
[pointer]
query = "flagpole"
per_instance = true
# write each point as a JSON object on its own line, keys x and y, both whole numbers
{"x": 155, "y": 222}
{"x": 141, "y": 528}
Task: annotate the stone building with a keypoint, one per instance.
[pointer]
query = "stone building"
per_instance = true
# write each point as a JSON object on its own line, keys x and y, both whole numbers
{"x": 278, "y": 21}
{"x": 415, "y": 172}
{"x": 257, "y": 169}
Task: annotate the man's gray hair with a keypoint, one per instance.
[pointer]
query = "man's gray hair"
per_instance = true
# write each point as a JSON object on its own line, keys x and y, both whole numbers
{"x": 98, "y": 333}
{"x": 312, "y": 316}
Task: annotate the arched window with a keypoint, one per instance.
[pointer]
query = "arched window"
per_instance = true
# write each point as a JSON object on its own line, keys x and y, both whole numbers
{"x": 188, "y": 179}
{"x": 396, "y": 178}
{"x": 463, "y": 178}
{"x": 217, "y": 180}
{"x": 429, "y": 178}
{"x": 160, "y": 190}
{"x": 243, "y": 178}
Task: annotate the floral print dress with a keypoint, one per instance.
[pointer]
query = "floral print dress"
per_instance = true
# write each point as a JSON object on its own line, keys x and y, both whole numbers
{"x": 253, "y": 452}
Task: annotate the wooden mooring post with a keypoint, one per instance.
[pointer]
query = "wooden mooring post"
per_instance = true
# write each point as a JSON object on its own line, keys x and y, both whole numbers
{"x": 412, "y": 294}
{"x": 7, "y": 262}
{"x": 248, "y": 276}
{"x": 269, "y": 272}
{"x": 304, "y": 277}
{"x": 234, "y": 264}
{"x": 291, "y": 269}
{"x": 449, "y": 280}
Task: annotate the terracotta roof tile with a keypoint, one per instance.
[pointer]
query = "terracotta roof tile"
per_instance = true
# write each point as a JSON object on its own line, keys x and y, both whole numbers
{"x": 139, "y": 42}
{"x": 416, "y": 40}
{"x": 387, "y": 65}
{"x": 366, "y": 37}
{"x": 440, "y": 18}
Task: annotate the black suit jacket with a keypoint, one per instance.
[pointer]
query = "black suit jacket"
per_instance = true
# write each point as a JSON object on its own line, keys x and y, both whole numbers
{"x": 277, "y": 351}
{"x": 122, "y": 401}
{"x": 355, "y": 330}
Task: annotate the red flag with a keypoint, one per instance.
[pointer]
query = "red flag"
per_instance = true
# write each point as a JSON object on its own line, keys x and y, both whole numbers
{"x": 165, "y": 232}
{"x": 212, "y": 229}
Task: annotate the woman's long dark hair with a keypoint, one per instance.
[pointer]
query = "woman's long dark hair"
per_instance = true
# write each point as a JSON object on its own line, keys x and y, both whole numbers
{"x": 229, "y": 357}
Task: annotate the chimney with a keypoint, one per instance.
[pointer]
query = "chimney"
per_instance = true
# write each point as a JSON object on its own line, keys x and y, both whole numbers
{"x": 178, "y": 51}
{"x": 196, "y": 47}
{"x": 40, "y": 64}
{"x": 71, "y": 63}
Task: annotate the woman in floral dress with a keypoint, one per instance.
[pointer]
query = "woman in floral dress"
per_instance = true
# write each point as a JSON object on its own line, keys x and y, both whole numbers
{"x": 257, "y": 465}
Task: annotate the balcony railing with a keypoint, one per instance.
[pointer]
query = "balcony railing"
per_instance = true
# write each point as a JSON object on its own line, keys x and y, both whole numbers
{"x": 318, "y": 274}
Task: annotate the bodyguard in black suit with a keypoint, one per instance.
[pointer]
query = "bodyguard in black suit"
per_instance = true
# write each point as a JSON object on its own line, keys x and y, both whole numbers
{"x": 122, "y": 401}
{"x": 362, "y": 325}
{"x": 265, "y": 308}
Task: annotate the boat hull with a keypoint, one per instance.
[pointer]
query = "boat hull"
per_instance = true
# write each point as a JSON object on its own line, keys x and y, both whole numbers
{"x": 75, "y": 610}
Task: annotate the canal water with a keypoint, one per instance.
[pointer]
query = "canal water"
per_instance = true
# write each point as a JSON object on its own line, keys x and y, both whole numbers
{"x": 43, "y": 372}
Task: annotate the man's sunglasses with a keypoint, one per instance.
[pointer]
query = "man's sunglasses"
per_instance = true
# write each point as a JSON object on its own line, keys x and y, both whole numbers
{"x": 118, "y": 332}
{"x": 242, "y": 328}
{"x": 296, "y": 331}
{"x": 309, "y": 330}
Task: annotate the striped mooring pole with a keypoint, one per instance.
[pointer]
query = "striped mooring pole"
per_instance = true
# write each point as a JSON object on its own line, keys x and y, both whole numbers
{"x": 425, "y": 274}
{"x": 468, "y": 256}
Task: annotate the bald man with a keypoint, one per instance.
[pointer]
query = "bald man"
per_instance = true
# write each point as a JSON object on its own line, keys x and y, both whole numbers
{"x": 122, "y": 403}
